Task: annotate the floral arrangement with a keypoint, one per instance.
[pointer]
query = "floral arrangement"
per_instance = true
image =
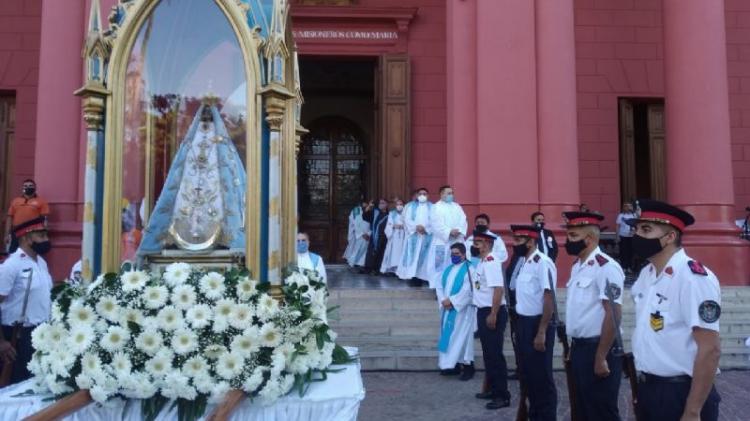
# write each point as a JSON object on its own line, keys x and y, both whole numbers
{"x": 186, "y": 335}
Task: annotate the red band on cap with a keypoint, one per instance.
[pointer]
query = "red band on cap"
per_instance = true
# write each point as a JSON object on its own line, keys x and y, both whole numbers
{"x": 583, "y": 221}
{"x": 25, "y": 230}
{"x": 663, "y": 218}
{"x": 526, "y": 233}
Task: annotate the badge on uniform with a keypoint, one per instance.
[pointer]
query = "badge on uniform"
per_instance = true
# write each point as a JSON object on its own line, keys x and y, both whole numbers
{"x": 476, "y": 285}
{"x": 657, "y": 321}
{"x": 709, "y": 311}
{"x": 614, "y": 290}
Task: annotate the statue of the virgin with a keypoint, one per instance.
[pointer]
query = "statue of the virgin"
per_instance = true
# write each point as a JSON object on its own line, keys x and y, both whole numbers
{"x": 202, "y": 205}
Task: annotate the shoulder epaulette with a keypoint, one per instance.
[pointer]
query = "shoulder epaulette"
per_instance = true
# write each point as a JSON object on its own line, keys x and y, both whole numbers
{"x": 697, "y": 268}
{"x": 601, "y": 260}
{"x": 536, "y": 258}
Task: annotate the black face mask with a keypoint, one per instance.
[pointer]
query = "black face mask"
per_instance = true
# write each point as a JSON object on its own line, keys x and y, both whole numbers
{"x": 474, "y": 251}
{"x": 41, "y": 248}
{"x": 574, "y": 248}
{"x": 540, "y": 225}
{"x": 645, "y": 248}
{"x": 481, "y": 228}
{"x": 520, "y": 249}
{"x": 29, "y": 191}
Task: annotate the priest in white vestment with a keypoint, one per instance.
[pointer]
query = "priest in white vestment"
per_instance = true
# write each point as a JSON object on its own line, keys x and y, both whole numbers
{"x": 354, "y": 216}
{"x": 418, "y": 239}
{"x": 395, "y": 231}
{"x": 307, "y": 259}
{"x": 448, "y": 225}
{"x": 361, "y": 239}
{"x": 457, "y": 315}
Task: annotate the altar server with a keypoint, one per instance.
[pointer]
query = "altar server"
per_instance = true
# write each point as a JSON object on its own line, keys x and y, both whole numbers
{"x": 25, "y": 303}
{"x": 396, "y": 234}
{"x": 448, "y": 225}
{"x": 361, "y": 239}
{"x": 418, "y": 239}
{"x": 457, "y": 315}
{"x": 499, "y": 251}
{"x": 377, "y": 217}
{"x": 307, "y": 259}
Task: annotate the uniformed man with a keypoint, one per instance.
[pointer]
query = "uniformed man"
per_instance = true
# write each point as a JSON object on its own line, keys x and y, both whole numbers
{"x": 677, "y": 308}
{"x": 492, "y": 316}
{"x": 588, "y": 320}
{"x": 25, "y": 286}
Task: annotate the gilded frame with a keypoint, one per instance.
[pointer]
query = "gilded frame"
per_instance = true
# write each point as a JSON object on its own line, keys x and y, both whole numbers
{"x": 250, "y": 44}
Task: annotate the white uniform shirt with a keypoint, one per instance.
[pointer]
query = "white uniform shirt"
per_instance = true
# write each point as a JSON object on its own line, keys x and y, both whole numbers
{"x": 667, "y": 308}
{"x": 584, "y": 312}
{"x": 304, "y": 261}
{"x": 532, "y": 281}
{"x": 489, "y": 275}
{"x": 13, "y": 282}
{"x": 623, "y": 229}
{"x": 499, "y": 251}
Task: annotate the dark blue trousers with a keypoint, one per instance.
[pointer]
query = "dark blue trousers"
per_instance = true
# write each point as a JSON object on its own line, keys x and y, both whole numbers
{"x": 536, "y": 369}
{"x": 492, "y": 350}
{"x": 596, "y": 396}
{"x": 24, "y": 352}
{"x": 658, "y": 401}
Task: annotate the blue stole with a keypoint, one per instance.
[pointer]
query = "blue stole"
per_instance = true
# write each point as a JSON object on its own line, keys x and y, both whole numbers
{"x": 449, "y": 316}
{"x": 314, "y": 258}
{"x": 412, "y": 246}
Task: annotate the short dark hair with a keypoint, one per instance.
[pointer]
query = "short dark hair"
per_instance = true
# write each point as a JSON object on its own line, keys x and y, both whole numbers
{"x": 420, "y": 189}
{"x": 28, "y": 180}
{"x": 459, "y": 246}
{"x": 305, "y": 234}
{"x": 447, "y": 186}
{"x": 482, "y": 215}
{"x": 535, "y": 214}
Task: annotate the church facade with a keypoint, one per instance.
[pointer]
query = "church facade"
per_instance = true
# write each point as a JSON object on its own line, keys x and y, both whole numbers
{"x": 520, "y": 105}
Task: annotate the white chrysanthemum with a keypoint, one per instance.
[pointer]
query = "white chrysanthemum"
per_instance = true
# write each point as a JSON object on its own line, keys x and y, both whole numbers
{"x": 253, "y": 381}
{"x": 131, "y": 315}
{"x": 137, "y": 386}
{"x": 245, "y": 344}
{"x": 199, "y": 316}
{"x": 222, "y": 312}
{"x": 84, "y": 381}
{"x": 176, "y": 385}
{"x": 91, "y": 364}
{"x": 184, "y": 341}
{"x": 170, "y": 318}
{"x": 247, "y": 289}
{"x": 159, "y": 365}
{"x": 155, "y": 297}
{"x": 213, "y": 352}
{"x": 278, "y": 362}
{"x": 177, "y": 274}
{"x": 267, "y": 308}
{"x": 80, "y": 338}
{"x": 115, "y": 338}
{"x": 271, "y": 391}
{"x": 56, "y": 335}
{"x": 229, "y": 365}
{"x": 205, "y": 383}
{"x": 270, "y": 335}
{"x": 212, "y": 285}
{"x": 40, "y": 338}
{"x": 242, "y": 316}
{"x": 298, "y": 279}
{"x": 195, "y": 366}
{"x": 57, "y": 388}
{"x": 121, "y": 364}
{"x": 149, "y": 341}
{"x": 150, "y": 323}
{"x": 300, "y": 364}
{"x": 218, "y": 391}
{"x": 183, "y": 297}
{"x": 61, "y": 361}
{"x": 133, "y": 280}
{"x": 108, "y": 308}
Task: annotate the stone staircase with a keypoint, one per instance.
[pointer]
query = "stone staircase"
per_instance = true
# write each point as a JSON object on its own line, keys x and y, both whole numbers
{"x": 397, "y": 329}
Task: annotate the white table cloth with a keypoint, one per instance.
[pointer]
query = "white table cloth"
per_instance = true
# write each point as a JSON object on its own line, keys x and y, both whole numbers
{"x": 336, "y": 399}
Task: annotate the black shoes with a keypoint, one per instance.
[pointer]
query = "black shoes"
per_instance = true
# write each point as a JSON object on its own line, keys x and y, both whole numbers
{"x": 497, "y": 403}
{"x": 455, "y": 371}
{"x": 468, "y": 372}
{"x": 484, "y": 395}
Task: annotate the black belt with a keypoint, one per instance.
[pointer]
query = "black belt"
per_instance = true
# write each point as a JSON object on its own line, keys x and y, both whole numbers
{"x": 585, "y": 341}
{"x": 652, "y": 378}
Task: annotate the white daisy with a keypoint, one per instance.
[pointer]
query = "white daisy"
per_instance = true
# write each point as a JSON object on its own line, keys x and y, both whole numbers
{"x": 213, "y": 352}
{"x": 199, "y": 316}
{"x": 222, "y": 312}
{"x": 229, "y": 365}
{"x": 247, "y": 289}
{"x": 241, "y": 317}
{"x": 121, "y": 364}
{"x": 39, "y": 337}
{"x": 115, "y": 338}
{"x": 131, "y": 315}
{"x": 205, "y": 383}
{"x": 90, "y": 363}
{"x": 149, "y": 341}
{"x": 84, "y": 381}
{"x": 183, "y": 297}
{"x": 267, "y": 307}
{"x": 177, "y": 274}
{"x": 159, "y": 365}
{"x": 195, "y": 366}
{"x": 56, "y": 336}
{"x": 184, "y": 341}
{"x": 170, "y": 318}
{"x": 270, "y": 335}
{"x": 212, "y": 285}
{"x": 245, "y": 344}
{"x": 61, "y": 361}
{"x": 80, "y": 339}
{"x": 154, "y": 297}
{"x": 108, "y": 308}
{"x": 253, "y": 381}
{"x": 133, "y": 280}
{"x": 176, "y": 385}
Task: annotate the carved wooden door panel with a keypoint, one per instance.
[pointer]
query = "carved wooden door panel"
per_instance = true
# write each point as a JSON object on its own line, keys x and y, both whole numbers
{"x": 395, "y": 122}
{"x": 333, "y": 179}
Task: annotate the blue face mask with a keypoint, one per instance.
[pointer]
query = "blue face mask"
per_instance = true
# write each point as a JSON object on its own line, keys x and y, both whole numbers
{"x": 456, "y": 259}
{"x": 302, "y": 246}
{"x": 448, "y": 198}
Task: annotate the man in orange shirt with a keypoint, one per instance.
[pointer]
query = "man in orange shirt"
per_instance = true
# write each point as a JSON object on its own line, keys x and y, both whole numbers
{"x": 26, "y": 207}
